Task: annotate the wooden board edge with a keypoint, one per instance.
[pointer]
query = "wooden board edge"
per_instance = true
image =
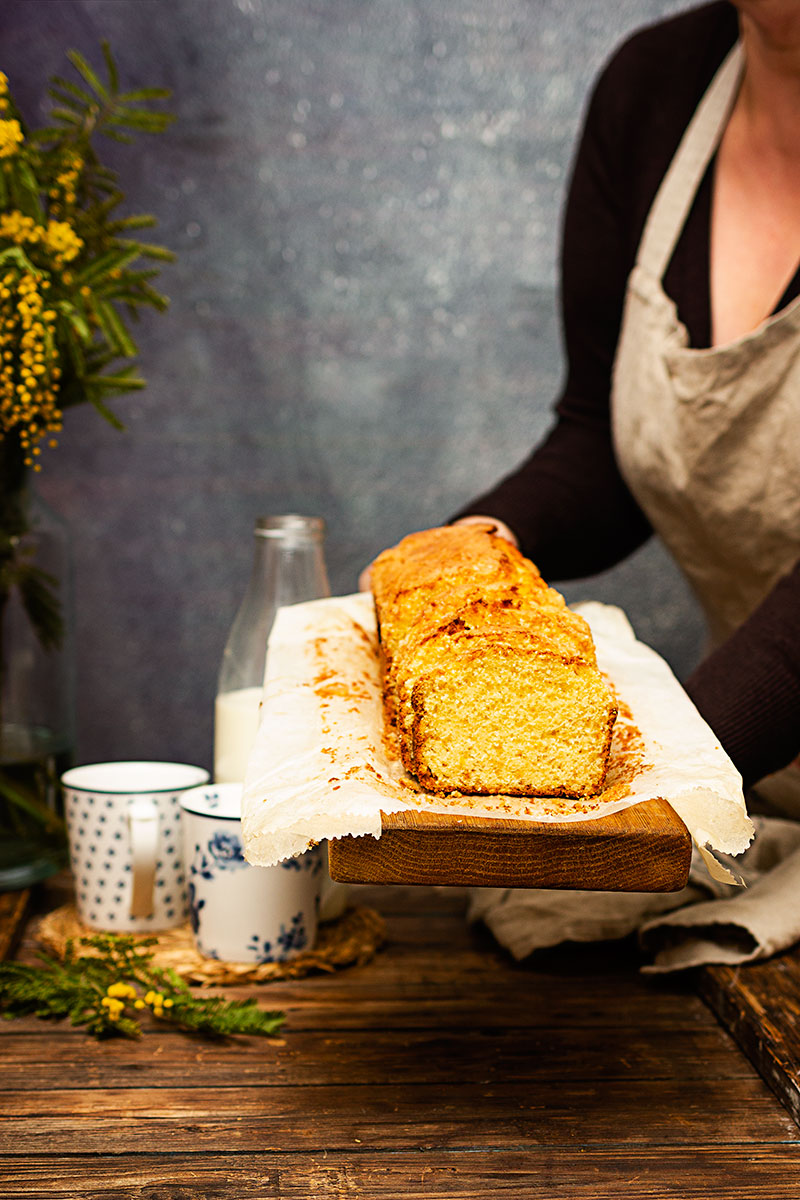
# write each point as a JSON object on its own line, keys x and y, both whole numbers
{"x": 645, "y": 847}
{"x": 406, "y": 857}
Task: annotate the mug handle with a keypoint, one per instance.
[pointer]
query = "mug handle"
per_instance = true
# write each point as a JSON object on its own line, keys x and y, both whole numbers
{"x": 143, "y": 825}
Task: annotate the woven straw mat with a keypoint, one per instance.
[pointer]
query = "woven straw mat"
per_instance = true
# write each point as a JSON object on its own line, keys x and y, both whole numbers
{"x": 351, "y": 940}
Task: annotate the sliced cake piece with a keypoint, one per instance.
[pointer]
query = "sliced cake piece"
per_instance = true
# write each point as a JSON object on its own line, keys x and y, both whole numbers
{"x": 429, "y": 643}
{"x": 506, "y": 716}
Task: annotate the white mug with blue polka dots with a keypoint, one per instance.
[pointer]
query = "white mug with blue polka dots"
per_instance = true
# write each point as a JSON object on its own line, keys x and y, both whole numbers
{"x": 124, "y": 825}
{"x": 240, "y": 912}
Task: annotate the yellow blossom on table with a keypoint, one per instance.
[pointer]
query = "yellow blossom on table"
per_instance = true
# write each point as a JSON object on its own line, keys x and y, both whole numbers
{"x": 157, "y": 1002}
{"x": 121, "y": 990}
{"x": 11, "y": 138}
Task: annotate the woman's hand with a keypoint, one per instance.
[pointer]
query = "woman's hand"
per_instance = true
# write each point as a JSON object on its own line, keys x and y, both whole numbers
{"x": 365, "y": 579}
{"x": 499, "y": 528}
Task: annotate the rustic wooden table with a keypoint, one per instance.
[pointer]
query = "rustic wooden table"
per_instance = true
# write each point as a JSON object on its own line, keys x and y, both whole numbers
{"x": 439, "y": 1069}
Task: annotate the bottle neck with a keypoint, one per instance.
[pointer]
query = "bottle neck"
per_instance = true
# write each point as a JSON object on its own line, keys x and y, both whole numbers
{"x": 288, "y": 567}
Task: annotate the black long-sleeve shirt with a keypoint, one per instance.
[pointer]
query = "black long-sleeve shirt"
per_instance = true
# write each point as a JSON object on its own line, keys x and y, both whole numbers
{"x": 567, "y": 503}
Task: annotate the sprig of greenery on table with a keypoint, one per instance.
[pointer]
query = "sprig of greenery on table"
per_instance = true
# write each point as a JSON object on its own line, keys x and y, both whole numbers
{"x": 108, "y": 989}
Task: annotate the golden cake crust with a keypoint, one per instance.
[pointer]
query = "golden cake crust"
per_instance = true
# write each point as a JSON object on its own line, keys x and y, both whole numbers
{"x": 490, "y": 681}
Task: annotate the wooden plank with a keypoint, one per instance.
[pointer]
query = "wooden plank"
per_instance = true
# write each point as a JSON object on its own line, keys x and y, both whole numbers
{"x": 441, "y": 1069}
{"x": 439, "y": 990}
{"x": 440, "y": 959}
{"x": 438, "y": 972}
{"x": 606, "y": 1013}
{"x": 644, "y": 848}
{"x": 13, "y": 911}
{"x": 339, "y": 1009}
{"x": 759, "y": 1003}
{"x": 502, "y": 1115}
{"x": 757, "y": 1172}
{"x": 406, "y": 1057}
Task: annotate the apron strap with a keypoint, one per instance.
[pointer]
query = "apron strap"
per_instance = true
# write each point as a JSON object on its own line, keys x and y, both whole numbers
{"x": 679, "y": 186}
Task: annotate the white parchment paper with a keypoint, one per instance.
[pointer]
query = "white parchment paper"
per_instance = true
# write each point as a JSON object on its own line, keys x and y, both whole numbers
{"x": 322, "y": 768}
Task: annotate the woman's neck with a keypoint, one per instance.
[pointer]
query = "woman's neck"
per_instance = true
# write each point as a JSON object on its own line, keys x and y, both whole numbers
{"x": 769, "y": 100}
{"x": 755, "y": 220}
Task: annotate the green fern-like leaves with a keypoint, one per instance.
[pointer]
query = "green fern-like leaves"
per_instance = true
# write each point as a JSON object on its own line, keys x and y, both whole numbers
{"x": 108, "y": 989}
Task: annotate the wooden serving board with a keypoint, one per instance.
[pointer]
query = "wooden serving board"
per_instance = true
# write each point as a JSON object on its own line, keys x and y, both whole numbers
{"x": 644, "y": 848}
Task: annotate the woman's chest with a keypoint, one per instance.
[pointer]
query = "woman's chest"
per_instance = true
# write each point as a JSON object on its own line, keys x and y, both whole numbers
{"x": 754, "y": 235}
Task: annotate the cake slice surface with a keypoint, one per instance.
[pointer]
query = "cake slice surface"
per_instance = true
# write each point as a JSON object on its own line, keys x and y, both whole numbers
{"x": 507, "y": 717}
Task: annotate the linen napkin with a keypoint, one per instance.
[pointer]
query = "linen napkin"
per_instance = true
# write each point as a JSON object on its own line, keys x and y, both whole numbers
{"x": 709, "y": 921}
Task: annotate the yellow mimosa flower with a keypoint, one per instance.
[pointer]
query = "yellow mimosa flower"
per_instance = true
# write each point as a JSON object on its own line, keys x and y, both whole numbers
{"x": 11, "y": 138}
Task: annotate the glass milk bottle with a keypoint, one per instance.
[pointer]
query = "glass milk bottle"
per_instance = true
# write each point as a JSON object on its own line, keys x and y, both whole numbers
{"x": 288, "y": 567}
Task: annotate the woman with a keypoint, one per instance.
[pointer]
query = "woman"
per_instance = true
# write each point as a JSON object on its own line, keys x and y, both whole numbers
{"x": 681, "y": 407}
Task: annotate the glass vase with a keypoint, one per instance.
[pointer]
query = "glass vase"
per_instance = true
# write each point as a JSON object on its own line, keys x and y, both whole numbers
{"x": 37, "y": 686}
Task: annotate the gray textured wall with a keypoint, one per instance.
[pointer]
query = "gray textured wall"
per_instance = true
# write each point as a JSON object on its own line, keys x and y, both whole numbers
{"x": 365, "y": 199}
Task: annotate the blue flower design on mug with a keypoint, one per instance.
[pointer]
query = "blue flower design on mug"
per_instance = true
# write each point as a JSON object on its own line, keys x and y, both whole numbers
{"x": 260, "y": 950}
{"x": 200, "y": 864}
{"x": 227, "y": 851}
{"x": 295, "y": 937}
{"x": 291, "y": 938}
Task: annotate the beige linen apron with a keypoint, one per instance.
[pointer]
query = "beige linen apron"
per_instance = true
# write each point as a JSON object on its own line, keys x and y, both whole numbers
{"x": 708, "y": 441}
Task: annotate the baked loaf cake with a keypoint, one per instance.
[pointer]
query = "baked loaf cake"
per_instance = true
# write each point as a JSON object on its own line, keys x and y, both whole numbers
{"x": 490, "y": 681}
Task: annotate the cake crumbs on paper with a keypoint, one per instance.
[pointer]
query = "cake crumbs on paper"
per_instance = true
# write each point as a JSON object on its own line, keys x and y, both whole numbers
{"x": 341, "y": 691}
{"x": 627, "y": 759}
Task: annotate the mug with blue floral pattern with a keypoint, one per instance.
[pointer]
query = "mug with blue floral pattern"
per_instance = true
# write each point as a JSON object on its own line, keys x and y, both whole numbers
{"x": 240, "y": 912}
{"x": 124, "y": 823}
